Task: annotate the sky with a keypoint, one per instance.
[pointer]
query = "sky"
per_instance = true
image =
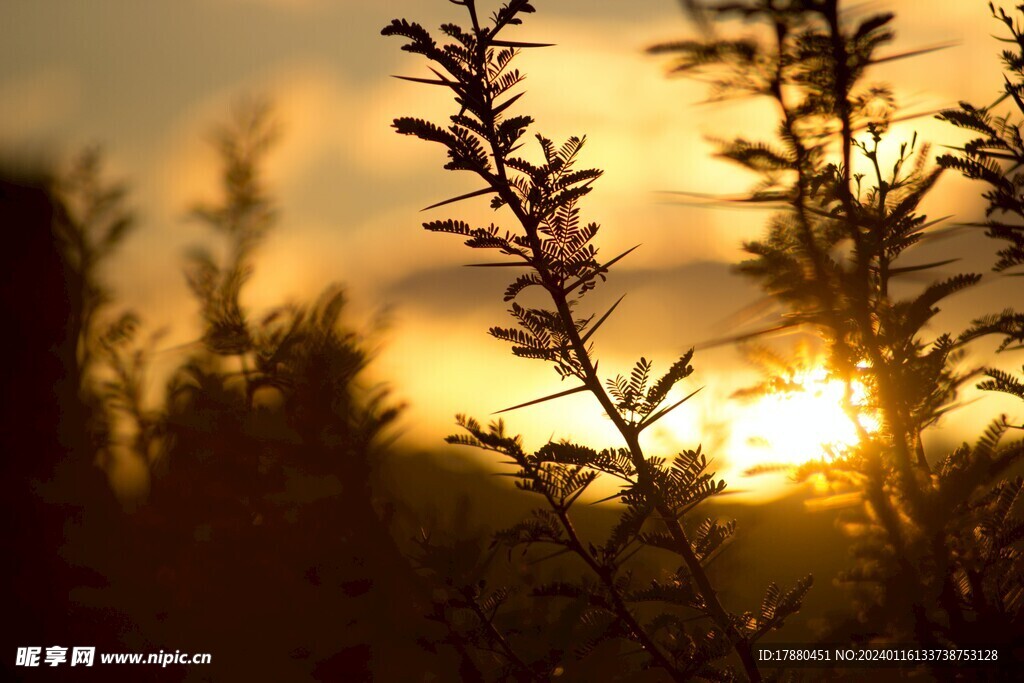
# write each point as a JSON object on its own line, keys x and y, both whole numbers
{"x": 148, "y": 81}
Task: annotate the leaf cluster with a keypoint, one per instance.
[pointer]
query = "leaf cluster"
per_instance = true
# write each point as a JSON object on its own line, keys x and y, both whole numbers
{"x": 848, "y": 227}
{"x": 995, "y": 156}
{"x": 556, "y": 249}
{"x": 849, "y": 222}
{"x": 561, "y": 472}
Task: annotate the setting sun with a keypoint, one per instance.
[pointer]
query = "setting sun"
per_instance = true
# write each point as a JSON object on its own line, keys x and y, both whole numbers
{"x": 806, "y": 422}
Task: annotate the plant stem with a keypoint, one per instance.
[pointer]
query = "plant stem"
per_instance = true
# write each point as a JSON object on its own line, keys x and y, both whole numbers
{"x": 494, "y": 634}
{"x": 555, "y": 289}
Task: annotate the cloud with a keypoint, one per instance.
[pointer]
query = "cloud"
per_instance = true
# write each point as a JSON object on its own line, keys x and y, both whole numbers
{"x": 36, "y": 106}
{"x": 351, "y": 189}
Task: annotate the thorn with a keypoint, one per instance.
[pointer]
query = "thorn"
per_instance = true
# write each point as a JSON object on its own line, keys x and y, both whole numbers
{"x": 602, "y": 269}
{"x": 428, "y": 81}
{"x": 507, "y": 103}
{"x": 468, "y": 195}
{"x": 923, "y": 266}
{"x": 518, "y": 43}
{"x": 750, "y": 335}
{"x": 914, "y": 53}
{"x": 574, "y": 390}
{"x": 662, "y": 413}
{"x": 598, "y": 324}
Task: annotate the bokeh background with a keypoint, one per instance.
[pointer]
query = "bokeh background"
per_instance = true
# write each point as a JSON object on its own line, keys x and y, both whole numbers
{"x": 145, "y": 81}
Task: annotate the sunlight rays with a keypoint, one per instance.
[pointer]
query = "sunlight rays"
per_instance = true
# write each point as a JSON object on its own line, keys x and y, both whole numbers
{"x": 805, "y": 421}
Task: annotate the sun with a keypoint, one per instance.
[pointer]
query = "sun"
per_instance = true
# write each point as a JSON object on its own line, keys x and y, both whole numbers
{"x": 805, "y": 422}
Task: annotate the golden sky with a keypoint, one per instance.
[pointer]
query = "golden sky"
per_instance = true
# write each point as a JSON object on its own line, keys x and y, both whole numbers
{"x": 148, "y": 80}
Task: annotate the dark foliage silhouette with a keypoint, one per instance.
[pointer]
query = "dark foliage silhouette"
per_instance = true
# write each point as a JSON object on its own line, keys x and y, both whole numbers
{"x": 263, "y": 521}
{"x": 937, "y": 552}
{"x": 266, "y": 527}
{"x": 556, "y": 251}
{"x": 995, "y": 157}
{"x": 62, "y": 524}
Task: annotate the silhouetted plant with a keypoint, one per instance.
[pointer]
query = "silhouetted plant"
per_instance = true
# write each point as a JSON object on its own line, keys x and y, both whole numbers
{"x": 91, "y": 225}
{"x": 555, "y": 249}
{"x": 848, "y": 224}
{"x": 266, "y": 525}
{"x": 995, "y": 157}
{"x": 61, "y": 522}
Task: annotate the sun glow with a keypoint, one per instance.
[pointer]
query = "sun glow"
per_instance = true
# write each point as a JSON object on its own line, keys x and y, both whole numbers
{"x": 805, "y": 422}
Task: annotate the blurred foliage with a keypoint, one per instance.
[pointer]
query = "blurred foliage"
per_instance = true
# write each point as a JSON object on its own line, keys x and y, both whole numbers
{"x": 995, "y": 157}
{"x": 267, "y": 517}
{"x": 848, "y": 227}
